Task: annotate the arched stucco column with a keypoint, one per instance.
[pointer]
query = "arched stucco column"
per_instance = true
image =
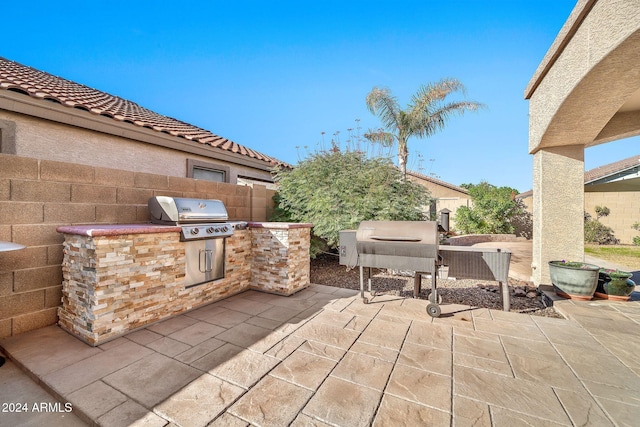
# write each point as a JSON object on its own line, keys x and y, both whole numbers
{"x": 558, "y": 207}
{"x": 585, "y": 92}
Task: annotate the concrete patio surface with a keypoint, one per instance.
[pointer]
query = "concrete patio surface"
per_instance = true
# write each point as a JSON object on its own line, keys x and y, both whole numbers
{"x": 322, "y": 357}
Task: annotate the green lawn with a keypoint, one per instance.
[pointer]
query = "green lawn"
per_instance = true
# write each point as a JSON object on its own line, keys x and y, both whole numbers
{"x": 625, "y": 255}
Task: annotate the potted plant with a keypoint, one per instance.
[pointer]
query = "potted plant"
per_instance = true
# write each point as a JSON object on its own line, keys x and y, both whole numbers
{"x": 574, "y": 279}
{"x": 617, "y": 285}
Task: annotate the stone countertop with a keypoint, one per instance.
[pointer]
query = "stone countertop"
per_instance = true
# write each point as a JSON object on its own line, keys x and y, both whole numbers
{"x": 116, "y": 229}
{"x": 121, "y": 229}
{"x": 279, "y": 225}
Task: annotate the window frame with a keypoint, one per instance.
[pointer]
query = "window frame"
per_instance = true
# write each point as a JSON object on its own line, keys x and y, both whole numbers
{"x": 214, "y": 167}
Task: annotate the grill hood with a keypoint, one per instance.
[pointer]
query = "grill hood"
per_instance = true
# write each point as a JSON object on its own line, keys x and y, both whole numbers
{"x": 178, "y": 210}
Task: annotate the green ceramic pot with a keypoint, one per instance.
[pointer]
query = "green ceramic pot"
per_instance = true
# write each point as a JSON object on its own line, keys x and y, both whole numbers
{"x": 576, "y": 280}
{"x": 620, "y": 284}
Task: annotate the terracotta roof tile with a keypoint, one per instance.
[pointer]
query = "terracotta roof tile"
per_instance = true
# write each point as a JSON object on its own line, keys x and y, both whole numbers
{"x": 38, "y": 84}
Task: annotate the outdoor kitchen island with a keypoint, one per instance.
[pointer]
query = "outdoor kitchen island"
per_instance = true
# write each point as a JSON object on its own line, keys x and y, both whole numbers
{"x": 119, "y": 278}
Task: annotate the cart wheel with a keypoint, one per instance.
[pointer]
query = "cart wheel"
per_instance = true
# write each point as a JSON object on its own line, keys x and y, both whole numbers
{"x": 431, "y": 299}
{"x": 365, "y": 300}
{"x": 433, "y": 310}
{"x": 373, "y": 293}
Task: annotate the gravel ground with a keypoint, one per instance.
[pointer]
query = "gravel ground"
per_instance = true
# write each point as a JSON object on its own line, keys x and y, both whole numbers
{"x": 325, "y": 270}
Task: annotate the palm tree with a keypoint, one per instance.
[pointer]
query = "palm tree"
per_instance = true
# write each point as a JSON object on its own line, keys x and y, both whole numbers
{"x": 426, "y": 114}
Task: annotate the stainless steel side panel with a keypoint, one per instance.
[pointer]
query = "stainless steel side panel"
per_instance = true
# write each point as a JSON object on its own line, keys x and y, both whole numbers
{"x": 347, "y": 248}
{"x": 204, "y": 261}
{"x": 466, "y": 262}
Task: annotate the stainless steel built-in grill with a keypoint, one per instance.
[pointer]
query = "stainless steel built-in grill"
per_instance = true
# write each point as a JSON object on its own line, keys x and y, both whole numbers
{"x": 413, "y": 245}
{"x": 204, "y": 229}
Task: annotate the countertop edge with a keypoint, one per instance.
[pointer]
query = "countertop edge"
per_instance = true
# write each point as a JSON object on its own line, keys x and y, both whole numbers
{"x": 279, "y": 225}
{"x": 92, "y": 230}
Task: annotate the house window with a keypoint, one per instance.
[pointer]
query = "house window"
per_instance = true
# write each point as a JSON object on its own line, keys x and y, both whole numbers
{"x": 209, "y": 174}
{"x": 207, "y": 171}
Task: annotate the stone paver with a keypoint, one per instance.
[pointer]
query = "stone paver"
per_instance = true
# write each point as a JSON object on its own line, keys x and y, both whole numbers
{"x": 152, "y": 379}
{"x": 257, "y": 407}
{"x": 17, "y": 388}
{"x": 304, "y": 369}
{"x": 324, "y": 358}
{"x": 343, "y": 403}
{"x": 200, "y": 401}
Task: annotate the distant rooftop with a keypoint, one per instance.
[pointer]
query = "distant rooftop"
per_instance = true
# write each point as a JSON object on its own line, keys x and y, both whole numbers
{"x": 39, "y": 84}
{"x": 605, "y": 171}
{"x": 611, "y": 169}
{"x": 438, "y": 182}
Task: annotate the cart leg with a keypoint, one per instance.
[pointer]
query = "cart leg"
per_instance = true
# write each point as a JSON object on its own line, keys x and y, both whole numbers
{"x": 434, "y": 278}
{"x": 417, "y": 284}
{"x": 369, "y": 279}
{"x": 361, "y": 282}
{"x": 506, "y": 296}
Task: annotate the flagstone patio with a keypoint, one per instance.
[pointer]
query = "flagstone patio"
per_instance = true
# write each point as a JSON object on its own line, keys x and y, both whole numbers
{"x": 322, "y": 357}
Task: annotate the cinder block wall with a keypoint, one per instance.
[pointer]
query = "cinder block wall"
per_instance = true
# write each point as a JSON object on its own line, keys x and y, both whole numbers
{"x": 36, "y": 196}
{"x": 624, "y": 207}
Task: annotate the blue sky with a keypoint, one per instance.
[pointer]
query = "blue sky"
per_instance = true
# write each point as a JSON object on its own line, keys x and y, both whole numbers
{"x": 274, "y": 75}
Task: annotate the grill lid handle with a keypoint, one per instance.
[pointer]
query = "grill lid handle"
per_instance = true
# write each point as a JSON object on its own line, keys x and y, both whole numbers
{"x": 396, "y": 238}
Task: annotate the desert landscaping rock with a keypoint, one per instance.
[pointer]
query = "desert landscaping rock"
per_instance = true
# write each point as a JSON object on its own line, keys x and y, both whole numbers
{"x": 325, "y": 270}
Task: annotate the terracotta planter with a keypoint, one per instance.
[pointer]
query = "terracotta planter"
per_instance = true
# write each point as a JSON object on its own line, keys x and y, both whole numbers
{"x": 575, "y": 280}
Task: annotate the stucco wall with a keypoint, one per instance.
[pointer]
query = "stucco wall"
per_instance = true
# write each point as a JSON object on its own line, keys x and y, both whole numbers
{"x": 602, "y": 50}
{"x": 44, "y": 139}
{"x": 37, "y": 196}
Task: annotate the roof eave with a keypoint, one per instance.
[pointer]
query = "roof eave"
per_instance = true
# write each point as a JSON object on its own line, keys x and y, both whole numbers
{"x": 19, "y": 103}
{"x": 613, "y": 176}
{"x": 568, "y": 30}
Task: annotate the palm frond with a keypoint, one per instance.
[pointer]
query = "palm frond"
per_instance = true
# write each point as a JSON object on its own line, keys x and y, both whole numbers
{"x": 427, "y": 113}
{"x": 382, "y": 103}
{"x": 437, "y": 119}
{"x": 434, "y": 92}
{"x": 386, "y": 139}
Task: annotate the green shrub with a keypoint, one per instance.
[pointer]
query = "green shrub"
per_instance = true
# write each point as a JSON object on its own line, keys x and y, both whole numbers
{"x": 636, "y": 239}
{"x": 494, "y": 211}
{"x": 336, "y": 190}
{"x": 596, "y": 232}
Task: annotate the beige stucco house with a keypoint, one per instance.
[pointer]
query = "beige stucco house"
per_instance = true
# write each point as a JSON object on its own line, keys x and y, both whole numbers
{"x": 585, "y": 92}
{"x": 444, "y": 194}
{"x": 48, "y": 117}
{"x": 70, "y": 154}
{"x": 616, "y": 186}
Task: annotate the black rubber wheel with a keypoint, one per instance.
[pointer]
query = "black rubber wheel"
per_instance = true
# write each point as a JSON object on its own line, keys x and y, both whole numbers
{"x": 431, "y": 299}
{"x": 433, "y": 310}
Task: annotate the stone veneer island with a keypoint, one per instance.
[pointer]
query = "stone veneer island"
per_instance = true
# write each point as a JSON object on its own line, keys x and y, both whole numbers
{"x": 119, "y": 278}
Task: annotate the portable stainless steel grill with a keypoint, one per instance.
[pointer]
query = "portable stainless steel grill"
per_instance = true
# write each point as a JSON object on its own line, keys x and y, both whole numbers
{"x": 400, "y": 245}
{"x": 204, "y": 229}
{"x": 413, "y": 245}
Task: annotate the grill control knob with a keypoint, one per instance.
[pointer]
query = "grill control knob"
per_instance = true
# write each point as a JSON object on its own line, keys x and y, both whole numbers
{"x": 195, "y": 230}
{"x": 225, "y": 228}
{"x": 210, "y": 230}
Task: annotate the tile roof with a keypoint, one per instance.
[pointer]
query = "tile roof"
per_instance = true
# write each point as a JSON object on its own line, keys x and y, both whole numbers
{"x": 611, "y": 169}
{"x": 42, "y": 85}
